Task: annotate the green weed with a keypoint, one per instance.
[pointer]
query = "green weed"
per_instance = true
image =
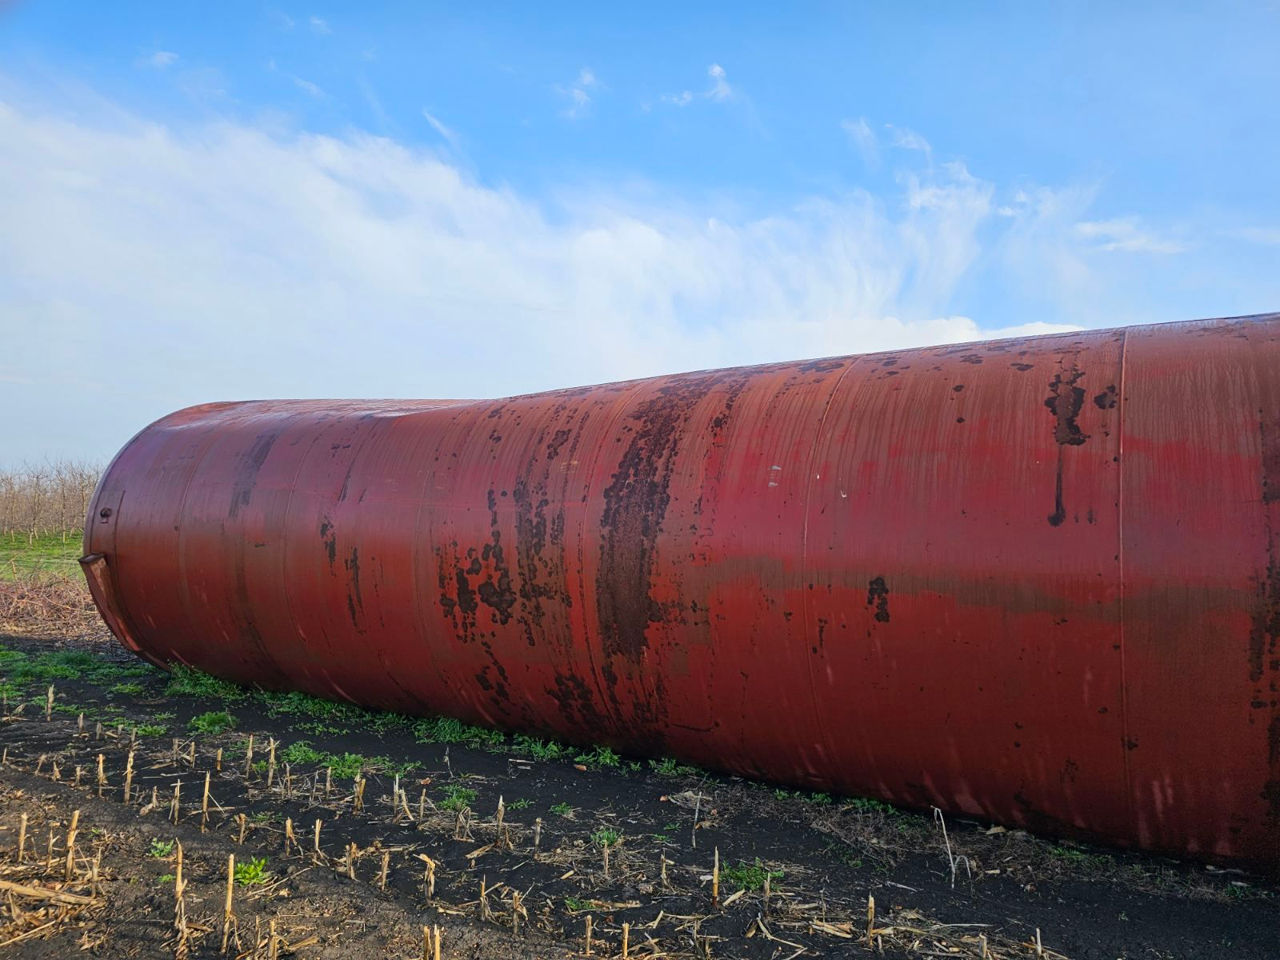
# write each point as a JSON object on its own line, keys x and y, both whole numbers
{"x": 606, "y": 837}
{"x": 599, "y": 757}
{"x": 302, "y": 754}
{"x": 457, "y": 797}
{"x": 249, "y": 873}
{"x": 190, "y": 682}
{"x": 211, "y": 723}
{"x": 748, "y": 876}
{"x": 451, "y": 730}
{"x": 538, "y": 749}
{"x": 670, "y": 767}
{"x": 160, "y": 849}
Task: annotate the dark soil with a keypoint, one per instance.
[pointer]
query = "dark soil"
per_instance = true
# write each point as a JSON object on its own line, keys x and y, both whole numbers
{"x": 823, "y": 857}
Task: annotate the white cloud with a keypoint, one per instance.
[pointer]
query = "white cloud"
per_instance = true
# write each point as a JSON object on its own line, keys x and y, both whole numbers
{"x": 720, "y": 89}
{"x": 446, "y": 133}
{"x": 160, "y": 59}
{"x": 320, "y": 25}
{"x": 864, "y": 139}
{"x": 1126, "y": 234}
{"x": 306, "y": 86}
{"x": 226, "y": 260}
{"x": 579, "y": 93}
{"x": 907, "y": 139}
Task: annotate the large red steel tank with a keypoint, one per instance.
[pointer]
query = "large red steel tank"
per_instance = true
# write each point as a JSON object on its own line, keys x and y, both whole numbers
{"x": 1032, "y": 580}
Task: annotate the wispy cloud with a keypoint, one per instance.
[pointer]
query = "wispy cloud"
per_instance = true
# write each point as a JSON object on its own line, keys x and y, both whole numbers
{"x": 357, "y": 266}
{"x": 446, "y": 133}
{"x": 863, "y": 139}
{"x": 907, "y": 139}
{"x": 1126, "y": 234}
{"x": 160, "y": 59}
{"x": 319, "y": 25}
{"x": 719, "y": 91}
{"x": 579, "y": 93}
{"x": 306, "y": 86}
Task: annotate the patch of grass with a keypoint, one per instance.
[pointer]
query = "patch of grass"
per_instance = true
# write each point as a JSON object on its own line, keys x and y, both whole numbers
{"x": 599, "y": 758}
{"x": 326, "y": 716}
{"x": 868, "y": 805}
{"x": 538, "y": 749}
{"x": 670, "y": 767}
{"x": 520, "y": 804}
{"x": 606, "y": 837}
{"x": 53, "y": 665}
{"x": 346, "y": 766}
{"x": 561, "y": 808}
{"x": 302, "y": 754}
{"x": 1077, "y": 859}
{"x": 249, "y": 873}
{"x": 188, "y": 682}
{"x": 748, "y": 876}
{"x": 452, "y": 730}
{"x": 577, "y": 904}
{"x": 211, "y": 723}
{"x": 55, "y": 553}
{"x": 160, "y": 849}
{"x": 457, "y": 797}
{"x": 151, "y": 729}
{"x": 806, "y": 796}
{"x": 129, "y": 689}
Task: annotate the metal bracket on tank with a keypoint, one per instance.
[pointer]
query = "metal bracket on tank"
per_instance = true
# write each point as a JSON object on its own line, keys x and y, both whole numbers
{"x": 98, "y": 574}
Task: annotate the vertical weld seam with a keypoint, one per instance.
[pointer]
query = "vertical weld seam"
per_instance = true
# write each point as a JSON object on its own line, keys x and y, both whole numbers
{"x": 620, "y": 407}
{"x": 1120, "y": 520}
{"x": 206, "y": 443}
{"x": 425, "y": 526}
{"x": 317, "y": 433}
{"x": 805, "y": 604}
{"x": 368, "y": 430}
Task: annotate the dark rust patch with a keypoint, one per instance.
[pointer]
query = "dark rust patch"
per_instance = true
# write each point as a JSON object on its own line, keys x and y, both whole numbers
{"x": 1107, "y": 399}
{"x": 329, "y": 537}
{"x": 247, "y": 472}
{"x": 878, "y": 597}
{"x": 1059, "y": 509}
{"x": 1065, "y": 401}
{"x": 355, "y": 602}
{"x": 635, "y": 503}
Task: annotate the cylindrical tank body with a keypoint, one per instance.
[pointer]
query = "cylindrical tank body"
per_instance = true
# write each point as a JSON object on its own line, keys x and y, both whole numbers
{"x": 1032, "y": 580}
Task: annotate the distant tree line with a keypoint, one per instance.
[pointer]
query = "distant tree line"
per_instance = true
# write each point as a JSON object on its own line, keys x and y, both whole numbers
{"x": 48, "y": 499}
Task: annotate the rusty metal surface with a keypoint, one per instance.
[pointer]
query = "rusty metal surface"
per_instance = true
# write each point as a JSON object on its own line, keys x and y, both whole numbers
{"x": 1030, "y": 580}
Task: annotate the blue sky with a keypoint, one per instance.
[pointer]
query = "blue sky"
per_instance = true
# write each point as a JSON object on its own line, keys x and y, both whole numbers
{"x": 211, "y": 201}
